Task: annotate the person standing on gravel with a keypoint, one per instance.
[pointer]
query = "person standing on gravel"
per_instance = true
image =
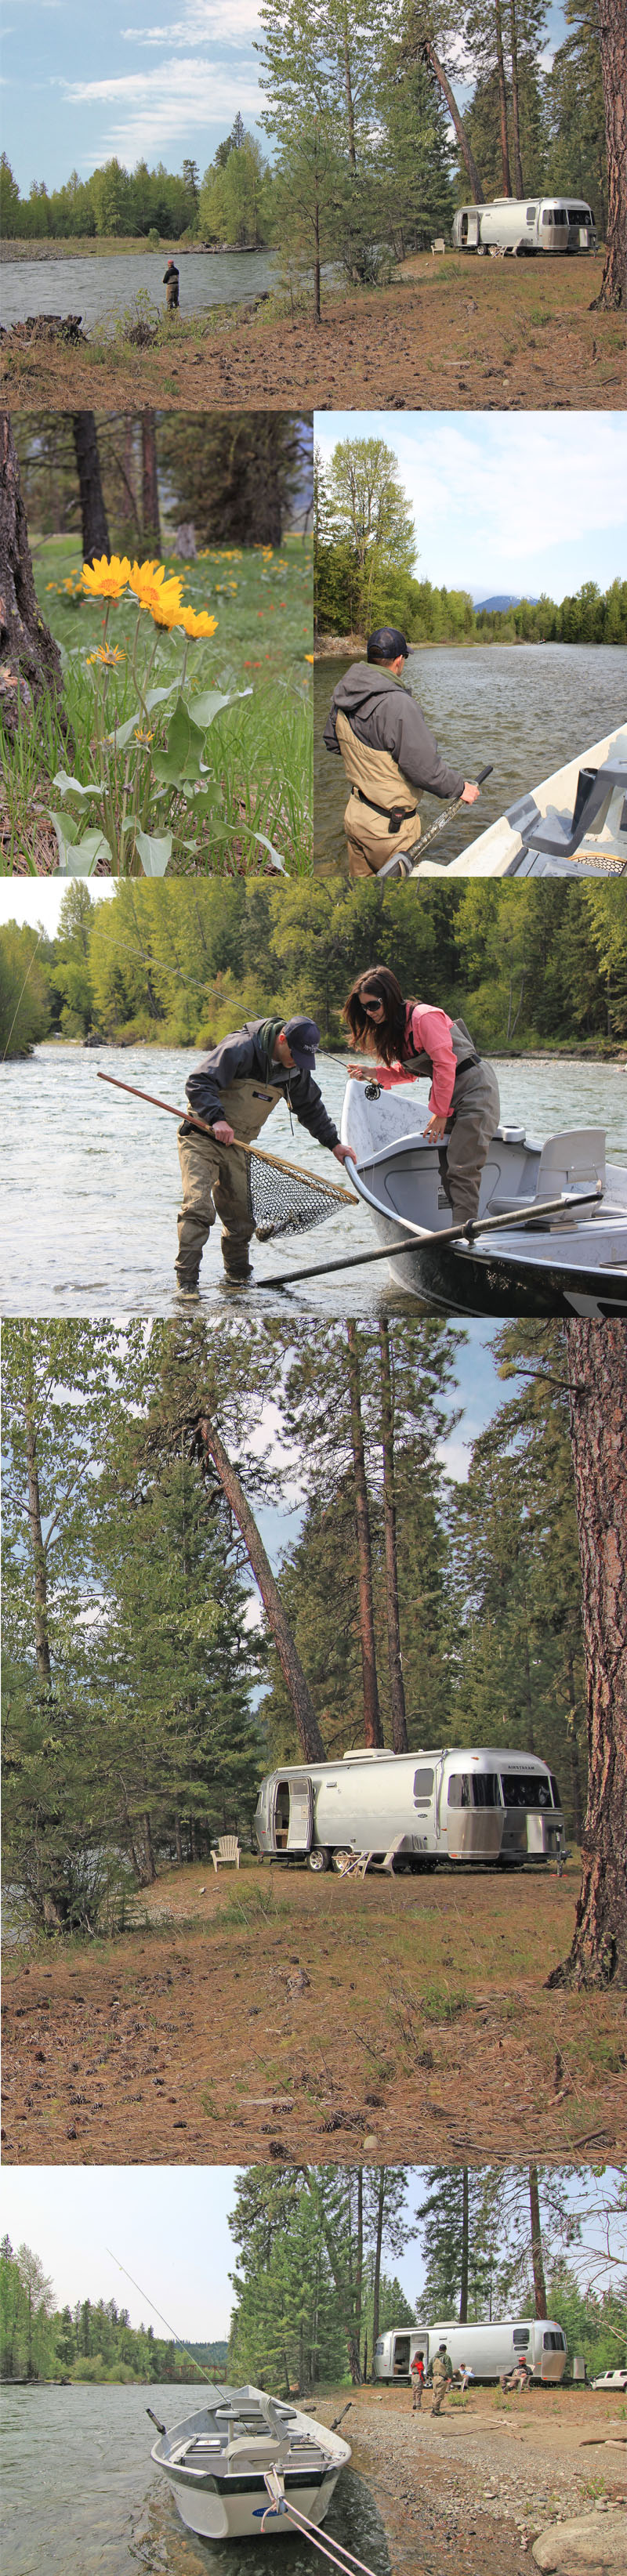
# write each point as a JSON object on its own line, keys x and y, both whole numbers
{"x": 377, "y": 728}
{"x": 409, "y": 1038}
{"x": 441, "y": 2373}
{"x": 235, "y": 1088}
{"x": 417, "y": 2377}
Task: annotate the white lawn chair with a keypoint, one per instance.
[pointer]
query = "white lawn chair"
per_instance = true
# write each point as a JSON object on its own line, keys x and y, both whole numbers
{"x": 439, "y": 245}
{"x": 228, "y": 1849}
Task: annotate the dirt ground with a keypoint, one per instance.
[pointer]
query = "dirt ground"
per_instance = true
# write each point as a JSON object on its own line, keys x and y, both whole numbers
{"x": 451, "y": 336}
{"x": 473, "y": 2488}
{"x": 392, "y": 2017}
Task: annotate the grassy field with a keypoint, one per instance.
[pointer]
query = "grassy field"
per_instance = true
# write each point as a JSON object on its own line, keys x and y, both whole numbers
{"x": 259, "y": 748}
{"x": 398, "y": 2018}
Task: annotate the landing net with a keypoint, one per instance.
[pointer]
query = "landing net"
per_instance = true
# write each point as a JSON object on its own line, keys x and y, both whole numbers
{"x": 284, "y": 1200}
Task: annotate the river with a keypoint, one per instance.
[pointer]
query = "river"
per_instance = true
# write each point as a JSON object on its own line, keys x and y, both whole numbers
{"x": 104, "y": 288}
{"x": 525, "y": 707}
{"x": 90, "y": 1181}
{"x": 81, "y": 2496}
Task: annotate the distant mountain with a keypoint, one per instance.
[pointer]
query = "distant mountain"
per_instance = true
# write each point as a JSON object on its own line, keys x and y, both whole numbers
{"x": 505, "y": 600}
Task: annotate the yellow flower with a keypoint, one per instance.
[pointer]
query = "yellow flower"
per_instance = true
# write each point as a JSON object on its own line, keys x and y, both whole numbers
{"x": 139, "y": 736}
{"x": 109, "y": 654}
{"x": 195, "y": 624}
{"x": 310, "y": 657}
{"x": 154, "y": 591}
{"x": 107, "y": 578}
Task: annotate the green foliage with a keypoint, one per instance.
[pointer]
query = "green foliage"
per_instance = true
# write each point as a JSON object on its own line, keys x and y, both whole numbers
{"x": 93, "y": 2343}
{"x": 235, "y": 204}
{"x": 24, "y": 1002}
{"x": 304, "y": 2284}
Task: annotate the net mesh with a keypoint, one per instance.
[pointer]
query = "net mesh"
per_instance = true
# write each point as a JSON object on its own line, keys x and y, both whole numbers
{"x": 285, "y": 1201}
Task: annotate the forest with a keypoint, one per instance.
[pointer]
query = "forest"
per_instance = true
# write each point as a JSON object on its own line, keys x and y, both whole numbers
{"x": 540, "y": 966}
{"x": 314, "y": 2280}
{"x": 365, "y": 554}
{"x": 140, "y": 1716}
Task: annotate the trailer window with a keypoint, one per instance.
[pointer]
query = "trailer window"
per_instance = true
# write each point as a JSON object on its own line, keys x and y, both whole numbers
{"x": 552, "y": 2342}
{"x": 579, "y": 215}
{"x": 423, "y": 1784}
{"x": 555, "y": 1791}
{"x": 555, "y": 215}
{"x": 459, "y": 1790}
{"x": 485, "y": 1789}
{"x": 531, "y": 214}
{"x": 521, "y": 2338}
{"x": 524, "y": 1789}
{"x": 379, "y": 2346}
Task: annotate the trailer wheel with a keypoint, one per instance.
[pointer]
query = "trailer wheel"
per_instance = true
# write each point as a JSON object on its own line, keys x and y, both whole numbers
{"x": 339, "y": 1856}
{"x": 318, "y": 1859}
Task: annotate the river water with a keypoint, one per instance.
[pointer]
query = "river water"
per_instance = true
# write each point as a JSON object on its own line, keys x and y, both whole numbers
{"x": 81, "y": 2496}
{"x": 89, "y": 1181}
{"x": 100, "y": 288}
{"x": 526, "y": 708}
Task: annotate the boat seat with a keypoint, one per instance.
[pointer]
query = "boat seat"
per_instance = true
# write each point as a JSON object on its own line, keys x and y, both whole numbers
{"x": 572, "y": 1161}
{"x": 594, "y": 789}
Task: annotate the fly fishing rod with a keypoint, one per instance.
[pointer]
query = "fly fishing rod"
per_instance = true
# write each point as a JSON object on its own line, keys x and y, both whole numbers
{"x": 274, "y": 1160}
{"x": 447, "y": 1234}
{"x": 402, "y": 862}
{"x": 164, "y": 2321}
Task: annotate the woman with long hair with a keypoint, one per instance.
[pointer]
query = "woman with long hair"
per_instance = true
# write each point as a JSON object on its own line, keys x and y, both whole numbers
{"x": 410, "y": 1038}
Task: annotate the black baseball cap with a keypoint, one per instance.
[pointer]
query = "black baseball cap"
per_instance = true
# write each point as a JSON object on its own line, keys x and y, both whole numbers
{"x": 386, "y": 643}
{"x": 303, "y": 1037}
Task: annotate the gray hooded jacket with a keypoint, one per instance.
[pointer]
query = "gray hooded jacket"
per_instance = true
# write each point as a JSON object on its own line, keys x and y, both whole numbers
{"x": 384, "y": 716}
{"x": 245, "y": 1056}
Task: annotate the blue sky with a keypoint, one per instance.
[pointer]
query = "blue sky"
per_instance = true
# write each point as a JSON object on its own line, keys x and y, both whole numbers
{"x": 520, "y": 502}
{"x": 140, "y": 80}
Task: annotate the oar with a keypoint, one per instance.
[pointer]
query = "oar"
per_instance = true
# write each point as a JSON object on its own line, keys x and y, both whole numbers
{"x": 401, "y": 863}
{"x": 448, "y": 1234}
{"x": 259, "y": 1150}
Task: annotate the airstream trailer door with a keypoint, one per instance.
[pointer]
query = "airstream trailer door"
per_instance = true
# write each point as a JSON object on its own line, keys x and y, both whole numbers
{"x": 473, "y": 235}
{"x": 293, "y": 1815}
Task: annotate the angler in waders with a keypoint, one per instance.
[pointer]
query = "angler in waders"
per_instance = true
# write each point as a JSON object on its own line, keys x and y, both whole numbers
{"x": 235, "y": 1088}
{"x": 389, "y": 755}
{"x": 410, "y": 1038}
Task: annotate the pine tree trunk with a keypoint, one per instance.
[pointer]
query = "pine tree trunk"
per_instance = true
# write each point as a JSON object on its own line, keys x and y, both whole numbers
{"x": 597, "y": 1368}
{"x": 151, "y": 528}
{"x": 42, "y": 1640}
{"x": 515, "y": 100}
{"x": 376, "y": 2278}
{"x": 348, "y": 89}
{"x": 463, "y": 2286}
{"x": 507, "y": 183}
{"x": 537, "y": 2259}
{"x": 428, "y": 55}
{"x": 93, "y": 513}
{"x": 30, "y": 662}
{"x": 397, "y": 1689}
{"x": 373, "y": 1731}
{"x": 613, "y": 44}
{"x": 304, "y": 1712}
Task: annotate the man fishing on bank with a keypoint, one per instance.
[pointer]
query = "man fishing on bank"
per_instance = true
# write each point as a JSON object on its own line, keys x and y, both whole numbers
{"x": 389, "y": 755}
{"x": 235, "y": 1088}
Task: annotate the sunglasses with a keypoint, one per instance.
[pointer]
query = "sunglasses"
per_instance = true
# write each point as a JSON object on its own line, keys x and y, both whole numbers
{"x": 370, "y": 1002}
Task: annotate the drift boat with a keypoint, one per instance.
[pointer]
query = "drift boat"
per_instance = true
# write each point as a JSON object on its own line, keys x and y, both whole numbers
{"x": 572, "y": 1262}
{"x": 244, "y": 2460}
{"x": 574, "y": 824}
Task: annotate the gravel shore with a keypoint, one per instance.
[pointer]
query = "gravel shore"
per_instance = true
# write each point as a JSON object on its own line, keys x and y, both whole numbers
{"x": 471, "y": 2489}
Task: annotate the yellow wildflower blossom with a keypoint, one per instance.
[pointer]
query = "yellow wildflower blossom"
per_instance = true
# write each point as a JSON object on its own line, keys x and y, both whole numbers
{"x": 108, "y": 577}
{"x": 153, "y": 590}
{"x": 196, "y": 623}
{"x": 109, "y": 654}
{"x": 140, "y": 736}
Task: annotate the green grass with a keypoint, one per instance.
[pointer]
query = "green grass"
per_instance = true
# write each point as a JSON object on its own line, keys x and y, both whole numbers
{"x": 259, "y": 748}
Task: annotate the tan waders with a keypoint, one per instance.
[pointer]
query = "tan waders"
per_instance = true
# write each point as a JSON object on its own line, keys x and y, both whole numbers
{"x": 474, "y": 1119}
{"x": 215, "y": 1183}
{"x": 381, "y": 815}
{"x": 440, "y": 2385}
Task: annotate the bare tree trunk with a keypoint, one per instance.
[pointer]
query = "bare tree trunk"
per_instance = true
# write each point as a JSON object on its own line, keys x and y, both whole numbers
{"x": 428, "y": 55}
{"x": 150, "y": 1870}
{"x": 613, "y": 44}
{"x": 597, "y": 1369}
{"x": 348, "y": 88}
{"x": 397, "y": 1688}
{"x": 30, "y": 661}
{"x": 515, "y": 99}
{"x": 376, "y": 2278}
{"x": 151, "y": 528}
{"x": 359, "y": 2258}
{"x": 507, "y": 183}
{"x": 575, "y": 1767}
{"x": 373, "y": 1731}
{"x": 463, "y": 2285}
{"x": 42, "y": 1639}
{"x": 537, "y": 2259}
{"x": 304, "y": 1712}
{"x": 93, "y": 513}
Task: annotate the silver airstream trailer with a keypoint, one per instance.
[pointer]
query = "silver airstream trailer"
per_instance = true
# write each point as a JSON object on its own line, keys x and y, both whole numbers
{"x": 517, "y": 227}
{"x": 410, "y": 1810}
{"x": 487, "y": 2351}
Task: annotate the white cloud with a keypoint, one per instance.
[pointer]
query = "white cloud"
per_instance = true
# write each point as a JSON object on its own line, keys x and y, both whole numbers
{"x": 201, "y": 22}
{"x": 497, "y": 499}
{"x": 155, "y": 109}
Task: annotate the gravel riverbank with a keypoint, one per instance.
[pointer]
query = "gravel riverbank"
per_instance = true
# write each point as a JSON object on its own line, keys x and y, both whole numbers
{"x": 471, "y": 2489}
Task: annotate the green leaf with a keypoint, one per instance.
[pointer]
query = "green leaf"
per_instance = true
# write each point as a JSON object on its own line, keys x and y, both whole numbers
{"x": 278, "y": 862}
{"x": 208, "y": 704}
{"x": 123, "y": 733}
{"x": 154, "y": 854}
{"x": 155, "y": 697}
{"x": 182, "y": 759}
{"x": 72, "y": 786}
{"x": 78, "y": 858}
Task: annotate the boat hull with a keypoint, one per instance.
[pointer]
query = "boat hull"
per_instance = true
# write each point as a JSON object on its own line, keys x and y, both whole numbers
{"x": 213, "y": 2513}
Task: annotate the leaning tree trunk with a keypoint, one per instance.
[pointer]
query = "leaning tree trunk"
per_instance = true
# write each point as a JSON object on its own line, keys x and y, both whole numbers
{"x": 397, "y": 1687}
{"x": 428, "y": 55}
{"x": 291, "y": 1667}
{"x": 507, "y": 181}
{"x": 373, "y": 1730}
{"x": 537, "y": 2257}
{"x": 93, "y": 513}
{"x": 516, "y": 100}
{"x": 30, "y": 661}
{"x": 613, "y": 44}
{"x": 597, "y": 1368}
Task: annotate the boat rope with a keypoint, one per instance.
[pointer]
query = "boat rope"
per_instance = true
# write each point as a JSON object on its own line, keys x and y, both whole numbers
{"x": 339, "y": 2557}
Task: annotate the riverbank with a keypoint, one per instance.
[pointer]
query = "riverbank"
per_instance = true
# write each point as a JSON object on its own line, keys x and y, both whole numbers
{"x": 138, "y": 2050}
{"x": 473, "y": 2487}
{"x": 109, "y": 246}
{"x": 448, "y": 336}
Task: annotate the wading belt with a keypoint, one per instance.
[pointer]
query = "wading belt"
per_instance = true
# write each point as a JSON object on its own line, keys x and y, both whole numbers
{"x": 399, "y": 813}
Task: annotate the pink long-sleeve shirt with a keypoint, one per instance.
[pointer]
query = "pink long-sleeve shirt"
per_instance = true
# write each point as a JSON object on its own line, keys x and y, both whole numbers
{"x": 430, "y": 1034}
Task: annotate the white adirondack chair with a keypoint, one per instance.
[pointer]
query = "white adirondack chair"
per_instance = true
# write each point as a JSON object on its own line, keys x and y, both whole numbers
{"x": 227, "y": 1848}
